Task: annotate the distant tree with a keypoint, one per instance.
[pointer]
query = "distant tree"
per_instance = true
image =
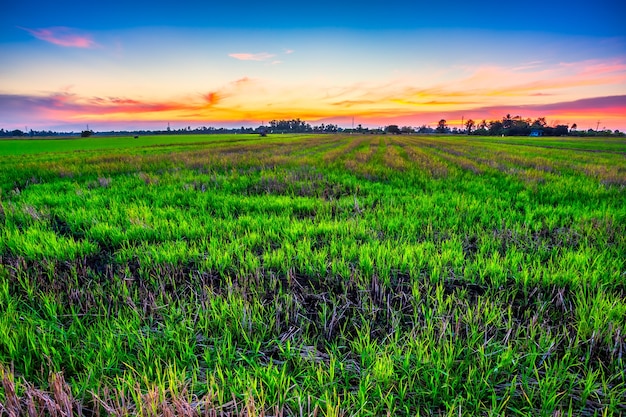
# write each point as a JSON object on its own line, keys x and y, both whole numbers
{"x": 519, "y": 127}
{"x": 441, "y": 126}
{"x": 291, "y": 126}
{"x": 561, "y": 130}
{"x": 407, "y": 129}
{"x": 481, "y": 132}
{"x": 496, "y": 128}
{"x": 331, "y": 128}
{"x": 539, "y": 123}
{"x": 574, "y": 127}
{"x": 507, "y": 121}
{"x": 393, "y": 129}
{"x": 469, "y": 125}
{"x": 86, "y": 133}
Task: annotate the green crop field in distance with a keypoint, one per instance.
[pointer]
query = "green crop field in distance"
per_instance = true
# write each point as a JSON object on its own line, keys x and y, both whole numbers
{"x": 313, "y": 275}
{"x": 38, "y": 145}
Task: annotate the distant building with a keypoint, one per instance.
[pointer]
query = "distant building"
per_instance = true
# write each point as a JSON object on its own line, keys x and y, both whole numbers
{"x": 536, "y": 132}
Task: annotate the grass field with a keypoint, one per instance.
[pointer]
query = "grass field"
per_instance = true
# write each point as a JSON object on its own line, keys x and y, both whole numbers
{"x": 313, "y": 275}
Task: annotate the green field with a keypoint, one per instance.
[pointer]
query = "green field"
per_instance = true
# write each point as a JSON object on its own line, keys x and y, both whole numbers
{"x": 313, "y": 275}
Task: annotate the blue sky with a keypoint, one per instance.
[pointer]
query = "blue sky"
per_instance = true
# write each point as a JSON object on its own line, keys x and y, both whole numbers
{"x": 597, "y": 18}
{"x": 138, "y": 64}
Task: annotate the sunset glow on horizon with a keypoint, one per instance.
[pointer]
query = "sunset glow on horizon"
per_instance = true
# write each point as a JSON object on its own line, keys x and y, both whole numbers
{"x": 144, "y": 77}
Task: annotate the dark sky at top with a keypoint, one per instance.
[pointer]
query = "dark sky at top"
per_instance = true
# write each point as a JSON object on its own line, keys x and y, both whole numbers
{"x": 580, "y": 17}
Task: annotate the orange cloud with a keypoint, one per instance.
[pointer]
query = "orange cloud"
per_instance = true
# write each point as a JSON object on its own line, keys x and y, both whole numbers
{"x": 212, "y": 98}
{"x": 261, "y": 56}
{"x": 62, "y": 36}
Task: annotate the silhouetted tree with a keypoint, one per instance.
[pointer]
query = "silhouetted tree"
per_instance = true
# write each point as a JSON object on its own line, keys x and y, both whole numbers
{"x": 519, "y": 127}
{"x": 292, "y": 126}
{"x": 393, "y": 129}
{"x": 539, "y": 123}
{"x": 441, "y": 126}
{"x": 469, "y": 125}
{"x": 496, "y": 128}
{"x": 507, "y": 121}
{"x": 560, "y": 130}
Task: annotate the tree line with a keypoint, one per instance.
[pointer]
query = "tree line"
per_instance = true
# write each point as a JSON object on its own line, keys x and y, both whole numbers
{"x": 299, "y": 126}
{"x": 518, "y": 126}
{"x": 508, "y": 126}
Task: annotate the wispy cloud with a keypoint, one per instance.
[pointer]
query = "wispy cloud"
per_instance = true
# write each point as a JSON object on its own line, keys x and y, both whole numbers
{"x": 242, "y": 82}
{"x": 586, "y": 104}
{"x": 63, "y": 36}
{"x": 244, "y": 56}
{"x": 350, "y": 103}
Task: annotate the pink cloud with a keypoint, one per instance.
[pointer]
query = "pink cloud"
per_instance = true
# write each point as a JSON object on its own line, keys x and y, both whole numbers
{"x": 242, "y": 82}
{"x": 63, "y": 36}
{"x": 261, "y": 56}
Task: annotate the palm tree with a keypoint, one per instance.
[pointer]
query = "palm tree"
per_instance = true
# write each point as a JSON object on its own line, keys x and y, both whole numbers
{"x": 507, "y": 121}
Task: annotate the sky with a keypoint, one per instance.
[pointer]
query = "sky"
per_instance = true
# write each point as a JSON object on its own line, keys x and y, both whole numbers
{"x": 145, "y": 64}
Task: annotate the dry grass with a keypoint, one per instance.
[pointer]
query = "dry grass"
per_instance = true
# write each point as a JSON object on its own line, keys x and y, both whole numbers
{"x": 24, "y": 399}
